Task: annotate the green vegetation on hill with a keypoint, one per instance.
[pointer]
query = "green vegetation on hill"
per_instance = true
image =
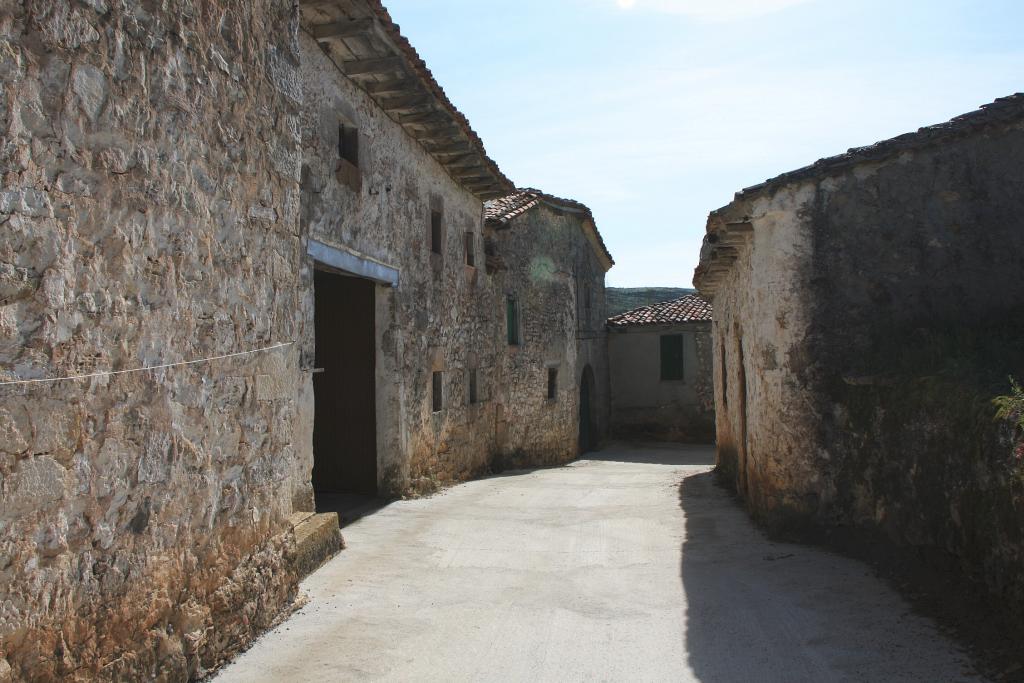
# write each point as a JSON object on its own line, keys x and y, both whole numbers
{"x": 622, "y": 299}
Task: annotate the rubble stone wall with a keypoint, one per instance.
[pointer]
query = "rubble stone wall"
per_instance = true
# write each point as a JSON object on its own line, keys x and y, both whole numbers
{"x": 547, "y": 264}
{"x": 764, "y": 418}
{"x": 878, "y": 310}
{"x": 438, "y": 318}
{"x": 918, "y": 326}
{"x": 149, "y": 211}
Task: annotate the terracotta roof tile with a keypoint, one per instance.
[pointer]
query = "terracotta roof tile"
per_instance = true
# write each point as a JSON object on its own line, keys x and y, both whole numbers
{"x": 688, "y": 309}
{"x": 502, "y": 210}
{"x": 499, "y": 212}
{"x": 1003, "y": 110}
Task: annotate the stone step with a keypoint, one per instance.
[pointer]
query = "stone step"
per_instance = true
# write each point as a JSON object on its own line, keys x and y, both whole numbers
{"x": 317, "y": 539}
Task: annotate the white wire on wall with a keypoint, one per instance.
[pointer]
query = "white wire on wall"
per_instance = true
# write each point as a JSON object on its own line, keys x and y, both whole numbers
{"x": 151, "y": 368}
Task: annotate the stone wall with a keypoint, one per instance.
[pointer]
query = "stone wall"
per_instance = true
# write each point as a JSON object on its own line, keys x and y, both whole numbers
{"x": 877, "y": 309}
{"x": 150, "y": 215}
{"x": 166, "y": 171}
{"x": 439, "y": 317}
{"x": 548, "y": 265}
{"x": 763, "y": 407}
{"x": 644, "y": 407}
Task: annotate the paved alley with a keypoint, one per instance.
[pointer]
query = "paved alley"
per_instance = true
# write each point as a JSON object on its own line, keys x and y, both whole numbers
{"x": 628, "y": 566}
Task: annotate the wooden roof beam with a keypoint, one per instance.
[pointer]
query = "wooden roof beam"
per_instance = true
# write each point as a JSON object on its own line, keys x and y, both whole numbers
{"x": 432, "y": 116}
{"x": 464, "y": 161}
{"x": 396, "y": 86}
{"x": 476, "y": 175}
{"x": 450, "y": 148}
{"x": 342, "y": 29}
{"x": 739, "y": 228}
{"x": 375, "y": 65}
{"x": 404, "y": 102}
{"x": 437, "y": 136}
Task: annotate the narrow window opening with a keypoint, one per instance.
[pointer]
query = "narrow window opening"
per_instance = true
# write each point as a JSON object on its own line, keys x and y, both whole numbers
{"x": 436, "y": 231}
{"x": 671, "y": 357}
{"x": 725, "y": 374}
{"x": 348, "y": 144}
{"x": 470, "y": 246}
{"x": 512, "y": 320}
{"x": 438, "y": 392}
{"x": 552, "y": 383}
{"x": 473, "y": 387}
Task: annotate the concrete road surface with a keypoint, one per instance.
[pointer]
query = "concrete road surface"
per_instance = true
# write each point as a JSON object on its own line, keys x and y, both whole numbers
{"x": 627, "y": 566}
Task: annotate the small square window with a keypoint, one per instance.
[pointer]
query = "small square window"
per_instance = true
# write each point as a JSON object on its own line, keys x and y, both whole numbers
{"x": 436, "y": 231}
{"x": 472, "y": 387}
{"x": 470, "y": 246}
{"x": 552, "y": 383}
{"x": 437, "y": 386}
{"x": 672, "y": 357}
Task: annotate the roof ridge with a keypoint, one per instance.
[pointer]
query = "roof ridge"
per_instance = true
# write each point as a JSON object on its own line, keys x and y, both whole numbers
{"x": 688, "y": 308}
{"x": 1000, "y": 111}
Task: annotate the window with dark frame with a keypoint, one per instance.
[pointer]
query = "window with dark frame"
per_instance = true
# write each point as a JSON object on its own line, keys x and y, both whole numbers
{"x": 470, "y": 246}
{"x": 348, "y": 144}
{"x": 512, "y": 320}
{"x": 552, "y": 383}
{"x": 472, "y": 387}
{"x": 671, "y": 357}
{"x": 436, "y": 231}
{"x": 437, "y": 386}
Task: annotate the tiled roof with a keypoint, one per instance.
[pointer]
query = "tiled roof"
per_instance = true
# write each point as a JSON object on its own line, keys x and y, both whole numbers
{"x": 690, "y": 308}
{"x": 499, "y": 212}
{"x": 1003, "y": 110}
{"x": 729, "y": 222}
{"x": 323, "y": 13}
{"x": 502, "y": 210}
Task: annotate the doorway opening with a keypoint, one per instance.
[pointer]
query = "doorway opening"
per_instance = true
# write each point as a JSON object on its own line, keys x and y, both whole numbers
{"x": 587, "y": 440}
{"x": 344, "y": 385}
{"x": 741, "y": 409}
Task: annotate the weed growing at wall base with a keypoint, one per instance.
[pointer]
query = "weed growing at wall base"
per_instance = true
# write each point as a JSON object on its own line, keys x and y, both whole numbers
{"x": 1011, "y": 407}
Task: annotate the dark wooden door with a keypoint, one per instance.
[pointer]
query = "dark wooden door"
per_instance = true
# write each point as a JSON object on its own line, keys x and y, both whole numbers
{"x": 345, "y": 427}
{"x": 586, "y": 441}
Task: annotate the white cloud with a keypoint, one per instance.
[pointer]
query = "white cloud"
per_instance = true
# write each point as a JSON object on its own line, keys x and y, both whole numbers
{"x": 712, "y": 10}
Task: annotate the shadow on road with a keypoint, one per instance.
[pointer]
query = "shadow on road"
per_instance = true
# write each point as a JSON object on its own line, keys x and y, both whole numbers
{"x": 772, "y": 611}
{"x": 351, "y": 507}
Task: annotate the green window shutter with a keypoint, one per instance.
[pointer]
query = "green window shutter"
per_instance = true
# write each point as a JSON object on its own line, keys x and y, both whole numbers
{"x": 672, "y": 357}
{"x": 512, "y": 321}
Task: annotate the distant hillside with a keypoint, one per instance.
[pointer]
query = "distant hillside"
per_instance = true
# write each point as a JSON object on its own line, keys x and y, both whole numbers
{"x": 622, "y": 299}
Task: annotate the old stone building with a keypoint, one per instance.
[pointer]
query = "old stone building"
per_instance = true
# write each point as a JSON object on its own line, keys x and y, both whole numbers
{"x": 277, "y": 207}
{"x": 548, "y": 264}
{"x": 866, "y": 311}
{"x": 661, "y": 382}
{"x": 391, "y": 201}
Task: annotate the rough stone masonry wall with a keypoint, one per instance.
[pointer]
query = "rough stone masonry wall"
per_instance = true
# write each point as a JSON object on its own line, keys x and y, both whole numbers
{"x": 546, "y": 261}
{"x": 884, "y": 316}
{"x": 440, "y": 316}
{"x": 149, "y": 215}
{"x": 765, "y": 417}
{"x": 918, "y": 324}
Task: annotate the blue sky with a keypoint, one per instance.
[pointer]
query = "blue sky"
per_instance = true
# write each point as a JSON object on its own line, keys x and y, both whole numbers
{"x": 654, "y": 112}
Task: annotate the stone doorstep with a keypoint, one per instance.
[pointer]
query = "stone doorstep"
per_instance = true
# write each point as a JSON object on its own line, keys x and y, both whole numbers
{"x": 317, "y": 539}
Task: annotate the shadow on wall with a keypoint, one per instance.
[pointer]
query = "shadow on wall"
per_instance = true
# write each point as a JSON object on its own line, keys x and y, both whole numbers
{"x": 765, "y": 611}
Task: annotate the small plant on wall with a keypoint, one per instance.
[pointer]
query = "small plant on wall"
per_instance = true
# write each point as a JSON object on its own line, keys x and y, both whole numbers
{"x": 1012, "y": 408}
